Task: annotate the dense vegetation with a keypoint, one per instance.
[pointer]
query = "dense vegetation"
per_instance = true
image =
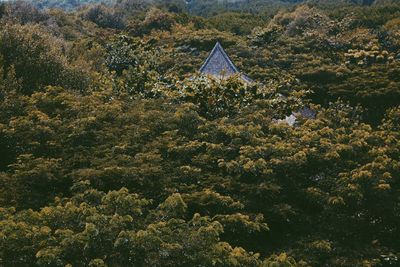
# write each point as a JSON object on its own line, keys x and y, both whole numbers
{"x": 116, "y": 152}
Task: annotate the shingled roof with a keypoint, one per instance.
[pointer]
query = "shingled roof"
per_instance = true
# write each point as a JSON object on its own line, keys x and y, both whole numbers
{"x": 219, "y": 64}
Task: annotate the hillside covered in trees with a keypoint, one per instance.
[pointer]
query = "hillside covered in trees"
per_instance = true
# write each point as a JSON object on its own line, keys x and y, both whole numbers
{"x": 115, "y": 151}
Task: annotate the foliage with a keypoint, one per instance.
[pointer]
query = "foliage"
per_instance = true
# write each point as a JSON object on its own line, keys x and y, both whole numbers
{"x": 104, "y": 17}
{"x": 115, "y": 151}
{"x": 37, "y": 58}
{"x": 114, "y": 229}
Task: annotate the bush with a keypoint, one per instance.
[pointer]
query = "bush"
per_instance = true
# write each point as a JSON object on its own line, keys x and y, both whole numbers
{"x": 104, "y": 17}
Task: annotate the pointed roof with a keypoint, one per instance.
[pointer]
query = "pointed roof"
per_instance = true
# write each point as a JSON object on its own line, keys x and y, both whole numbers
{"x": 219, "y": 64}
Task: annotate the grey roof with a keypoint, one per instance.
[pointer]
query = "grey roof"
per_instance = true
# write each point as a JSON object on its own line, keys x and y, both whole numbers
{"x": 307, "y": 113}
{"x": 219, "y": 64}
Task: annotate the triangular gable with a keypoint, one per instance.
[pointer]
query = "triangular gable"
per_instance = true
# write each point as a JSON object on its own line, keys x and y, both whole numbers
{"x": 218, "y": 63}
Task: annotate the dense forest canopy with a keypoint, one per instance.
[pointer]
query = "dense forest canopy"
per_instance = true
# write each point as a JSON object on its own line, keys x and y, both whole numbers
{"x": 115, "y": 151}
{"x": 209, "y": 7}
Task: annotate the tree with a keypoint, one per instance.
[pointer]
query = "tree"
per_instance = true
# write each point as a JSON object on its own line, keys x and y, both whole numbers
{"x": 37, "y": 58}
{"x": 98, "y": 228}
{"x": 104, "y": 17}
